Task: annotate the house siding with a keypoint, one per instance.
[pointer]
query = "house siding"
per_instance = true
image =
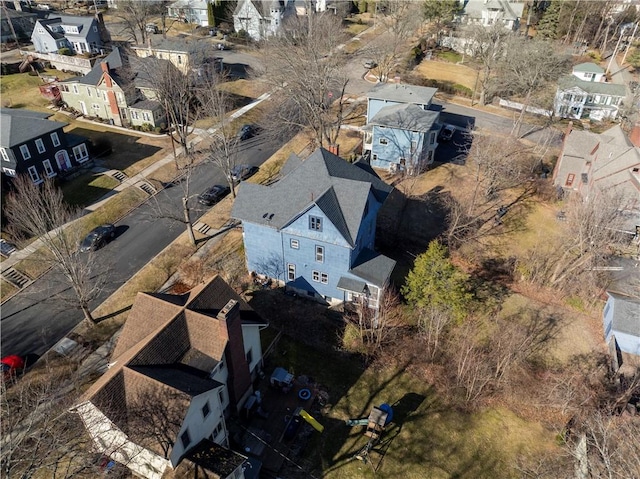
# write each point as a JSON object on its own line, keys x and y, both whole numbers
{"x": 399, "y": 146}
{"x": 200, "y": 427}
{"x": 251, "y": 339}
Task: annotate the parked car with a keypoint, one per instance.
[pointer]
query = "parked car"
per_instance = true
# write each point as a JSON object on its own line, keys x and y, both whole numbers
{"x": 12, "y": 366}
{"x": 246, "y": 132}
{"x": 98, "y": 237}
{"x": 447, "y": 132}
{"x": 242, "y": 172}
{"x": 212, "y": 195}
{"x": 151, "y": 28}
{"x": 221, "y": 46}
{"x": 369, "y": 64}
{"x": 6, "y": 248}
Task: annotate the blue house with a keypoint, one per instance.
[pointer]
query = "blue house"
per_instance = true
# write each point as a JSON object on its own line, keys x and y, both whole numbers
{"x": 80, "y": 34}
{"x": 314, "y": 230}
{"x": 621, "y": 322}
{"x": 402, "y": 128}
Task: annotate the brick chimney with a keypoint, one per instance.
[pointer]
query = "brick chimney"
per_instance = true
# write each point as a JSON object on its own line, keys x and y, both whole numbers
{"x": 335, "y": 149}
{"x": 239, "y": 381}
{"x": 634, "y": 135}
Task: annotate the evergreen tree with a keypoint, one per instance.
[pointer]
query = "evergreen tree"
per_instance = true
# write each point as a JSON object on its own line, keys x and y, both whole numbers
{"x": 435, "y": 281}
{"x": 548, "y": 24}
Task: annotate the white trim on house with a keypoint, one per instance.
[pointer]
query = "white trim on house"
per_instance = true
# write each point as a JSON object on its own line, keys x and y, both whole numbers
{"x": 24, "y": 151}
{"x": 33, "y": 174}
{"x": 55, "y": 139}
{"x": 48, "y": 169}
{"x": 3, "y": 152}
{"x": 40, "y": 145}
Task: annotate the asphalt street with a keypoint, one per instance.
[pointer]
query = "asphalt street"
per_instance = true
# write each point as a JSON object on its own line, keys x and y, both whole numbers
{"x": 36, "y": 318}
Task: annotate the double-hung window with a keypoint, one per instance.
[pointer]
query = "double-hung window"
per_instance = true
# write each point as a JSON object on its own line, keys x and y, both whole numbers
{"x": 48, "y": 170}
{"x": 55, "y": 139}
{"x": 26, "y": 154}
{"x": 33, "y": 174}
{"x": 4, "y": 154}
{"x": 320, "y": 254}
{"x": 40, "y": 145}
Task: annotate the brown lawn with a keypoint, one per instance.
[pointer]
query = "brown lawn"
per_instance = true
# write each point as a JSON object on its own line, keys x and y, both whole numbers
{"x": 445, "y": 71}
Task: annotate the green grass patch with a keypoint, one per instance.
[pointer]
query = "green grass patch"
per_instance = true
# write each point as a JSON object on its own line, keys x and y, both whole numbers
{"x": 354, "y": 28}
{"x": 451, "y": 57}
{"x": 87, "y": 188}
{"x": 20, "y": 90}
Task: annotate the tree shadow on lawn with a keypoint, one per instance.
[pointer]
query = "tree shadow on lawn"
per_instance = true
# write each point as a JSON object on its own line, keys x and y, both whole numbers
{"x": 123, "y": 150}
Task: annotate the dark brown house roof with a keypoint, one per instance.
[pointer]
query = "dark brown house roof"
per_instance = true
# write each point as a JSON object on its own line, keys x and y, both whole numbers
{"x": 166, "y": 351}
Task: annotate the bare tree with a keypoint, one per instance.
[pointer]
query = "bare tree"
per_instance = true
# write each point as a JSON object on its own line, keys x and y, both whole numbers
{"x": 487, "y": 46}
{"x": 176, "y": 92}
{"x": 306, "y": 67}
{"x": 378, "y": 326}
{"x": 589, "y": 233}
{"x": 39, "y": 436}
{"x": 222, "y": 150}
{"x": 526, "y": 68}
{"x": 501, "y": 182}
{"x": 402, "y": 18}
{"x": 39, "y": 211}
{"x": 135, "y": 14}
{"x": 433, "y": 325}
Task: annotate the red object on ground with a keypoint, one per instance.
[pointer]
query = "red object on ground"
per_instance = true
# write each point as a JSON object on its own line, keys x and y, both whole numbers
{"x": 11, "y": 365}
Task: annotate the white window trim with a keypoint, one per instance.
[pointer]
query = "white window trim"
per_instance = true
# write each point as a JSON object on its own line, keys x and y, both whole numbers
{"x": 291, "y": 272}
{"x": 315, "y": 223}
{"x": 383, "y": 141}
{"x": 24, "y": 151}
{"x": 48, "y": 169}
{"x": 33, "y": 174}
{"x": 320, "y": 277}
{"x": 4, "y": 154}
{"x": 75, "y": 89}
{"x": 40, "y": 145}
{"x": 82, "y": 149}
{"x": 324, "y": 278}
{"x": 9, "y": 171}
{"x": 55, "y": 139}
{"x": 294, "y": 244}
{"x": 319, "y": 254}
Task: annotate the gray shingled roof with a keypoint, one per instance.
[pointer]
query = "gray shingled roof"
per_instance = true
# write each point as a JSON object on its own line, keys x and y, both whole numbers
{"x": 20, "y": 126}
{"x": 588, "y": 67}
{"x": 626, "y": 314}
{"x": 83, "y": 22}
{"x": 373, "y": 267}
{"x": 594, "y": 87}
{"x": 406, "y": 116}
{"x": 421, "y": 95}
{"x": 115, "y": 61}
{"x": 146, "y": 105}
{"x": 339, "y": 188}
{"x": 350, "y": 284}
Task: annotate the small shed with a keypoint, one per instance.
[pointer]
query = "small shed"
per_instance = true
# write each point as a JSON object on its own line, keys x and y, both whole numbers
{"x": 377, "y": 421}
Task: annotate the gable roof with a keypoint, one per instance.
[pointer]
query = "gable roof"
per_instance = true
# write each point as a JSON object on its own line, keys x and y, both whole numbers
{"x": 20, "y": 126}
{"x": 588, "y": 67}
{"x": 403, "y": 93}
{"x": 511, "y": 10}
{"x": 626, "y": 314}
{"x": 407, "y": 116}
{"x": 571, "y": 81}
{"x": 114, "y": 60}
{"x": 340, "y": 189}
{"x": 263, "y": 7}
{"x": 83, "y": 23}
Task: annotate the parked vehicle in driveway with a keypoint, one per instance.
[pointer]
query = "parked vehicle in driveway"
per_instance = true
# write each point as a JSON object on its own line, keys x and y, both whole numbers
{"x": 98, "y": 237}
{"x": 369, "y": 64}
{"x": 212, "y": 195}
{"x": 246, "y": 132}
{"x": 242, "y": 172}
{"x": 447, "y": 132}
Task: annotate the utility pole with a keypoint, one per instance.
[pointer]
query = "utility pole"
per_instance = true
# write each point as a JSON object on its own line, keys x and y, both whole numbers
{"x": 624, "y": 57}
{"x": 613, "y": 55}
